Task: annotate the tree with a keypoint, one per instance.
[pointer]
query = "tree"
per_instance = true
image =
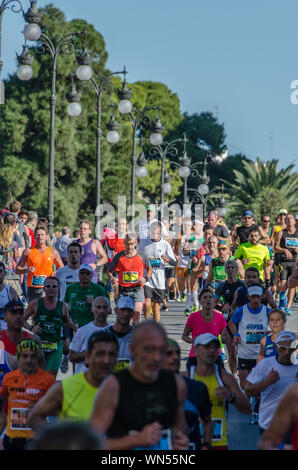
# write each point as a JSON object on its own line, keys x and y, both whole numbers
{"x": 262, "y": 188}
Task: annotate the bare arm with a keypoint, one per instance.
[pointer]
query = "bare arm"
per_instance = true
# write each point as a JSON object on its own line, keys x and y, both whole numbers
{"x": 57, "y": 259}
{"x": 262, "y": 349}
{"x": 241, "y": 402}
{"x": 20, "y": 267}
{"x": 255, "y": 389}
{"x": 186, "y": 335}
{"x": 99, "y": 251}
{"x": 49, "y": 405}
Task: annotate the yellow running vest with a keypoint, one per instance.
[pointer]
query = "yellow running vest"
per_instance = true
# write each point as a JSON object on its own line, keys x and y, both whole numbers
{"x": 218, "y": 410}
{"x": 78, "y": 398}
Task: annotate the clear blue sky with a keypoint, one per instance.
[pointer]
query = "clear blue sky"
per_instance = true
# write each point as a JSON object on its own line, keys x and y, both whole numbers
{"x": 233, "y": 58}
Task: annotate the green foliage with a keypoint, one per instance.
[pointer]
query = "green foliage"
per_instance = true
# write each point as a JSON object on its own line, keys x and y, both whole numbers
{"x": 262, "y": 188}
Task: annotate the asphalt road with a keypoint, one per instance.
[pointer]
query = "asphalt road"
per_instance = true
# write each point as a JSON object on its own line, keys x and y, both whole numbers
{"x": 241, "y": 434}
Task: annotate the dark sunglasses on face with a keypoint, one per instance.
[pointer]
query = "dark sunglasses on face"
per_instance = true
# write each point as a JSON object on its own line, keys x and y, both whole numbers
{"x": 49, "y": 286}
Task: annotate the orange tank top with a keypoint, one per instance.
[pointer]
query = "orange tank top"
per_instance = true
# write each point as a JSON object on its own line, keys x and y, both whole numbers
{"x": 43, "y": 263}
{"x": 130, "y": 269}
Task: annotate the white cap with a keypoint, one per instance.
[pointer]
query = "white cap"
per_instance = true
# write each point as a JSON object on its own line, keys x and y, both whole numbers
{"x": 126, "y": 302}
{"x": 205, "y": 338}
{"x": 255, "y": 290}
{"x": 285, "y": 336}
{"x": 86, "y": 266}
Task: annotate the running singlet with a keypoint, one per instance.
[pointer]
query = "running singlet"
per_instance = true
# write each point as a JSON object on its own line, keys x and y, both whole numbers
{"x": 51, "y": 321}
{"x": 9, "y": 345}
{"x": 218, "y": 410}
{"x": 43, "y": 263}
{"x": 218, "y": 269}
{"x": 23, "y": 392}
{"x": 78, "y": 398}
{"x": 290, "y": 242}
{"x": 269, "y": 349}
{"x": 130, "y": 269}
{"x": 144, "y": 404}
{"x": 258, "y": 255}
{"x": 88, "y": 256}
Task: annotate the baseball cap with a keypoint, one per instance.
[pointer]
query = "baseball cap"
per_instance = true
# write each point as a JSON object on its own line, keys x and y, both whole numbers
{"x": 14, "y": 306}
{"x": 285, "y": 336}
{"x": 205, "y": 338}
{"x": 126, "y": 302}
{"x": 282, "y": 211}
{"x": 223, "y": 242}
{"x": 255, "y": 290}
{"x": 86, "y": 266}
{"x": 249, "y": 213}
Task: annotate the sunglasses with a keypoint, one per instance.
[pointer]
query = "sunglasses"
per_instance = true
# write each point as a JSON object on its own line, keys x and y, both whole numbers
{"x": 285, "y": 348}
{"x": 50, "y": 286}
{"x": 85, "y": 272}
{"x": 266, "y": 221}
{"x": 247, "y": 217}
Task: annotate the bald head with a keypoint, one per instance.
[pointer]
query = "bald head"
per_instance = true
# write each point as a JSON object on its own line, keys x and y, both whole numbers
{"x": 145, "y": 328}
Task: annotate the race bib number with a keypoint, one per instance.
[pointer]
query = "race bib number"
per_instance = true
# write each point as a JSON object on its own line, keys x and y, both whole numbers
{"x": 48, "y": 347}
{"x": 19, "y": 419}
{"x": 154, "y": 262}
{"x": 254, "y": 337}
{"x": 130, "y": 276}
{"x": 121, "y": 364}
{"x": 292, "y": 242}
{"x": 38, "y": 281}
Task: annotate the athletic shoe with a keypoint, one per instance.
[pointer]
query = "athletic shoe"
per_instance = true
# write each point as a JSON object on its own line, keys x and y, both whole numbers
{"x": 183, "y": 298}
{"x": 187, "y": 312}
{"x": 164, "y": 308}
{"x": 195, "y": 308}
{"x": 64, "y": 364}
{"x": 288, "y": 311}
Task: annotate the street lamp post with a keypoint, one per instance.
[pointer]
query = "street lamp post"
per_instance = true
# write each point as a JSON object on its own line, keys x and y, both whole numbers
{"x": 142, "y": 118}
{"x": 165, "y": 151}
{"x": 98, "y": 84}
{"x": 32, "y": 31}
{"x": 54, "y": 47}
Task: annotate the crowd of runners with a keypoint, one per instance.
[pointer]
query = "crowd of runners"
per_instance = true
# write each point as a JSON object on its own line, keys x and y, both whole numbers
{"x": 124, "y": 387}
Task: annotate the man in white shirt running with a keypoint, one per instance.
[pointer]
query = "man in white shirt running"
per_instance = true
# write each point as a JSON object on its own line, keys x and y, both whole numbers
{"x": 158, "y": 254}
{"x": 78, "y": 347}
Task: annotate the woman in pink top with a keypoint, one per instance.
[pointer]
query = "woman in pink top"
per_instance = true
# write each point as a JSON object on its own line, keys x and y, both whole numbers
{"x": 206, "y": 320}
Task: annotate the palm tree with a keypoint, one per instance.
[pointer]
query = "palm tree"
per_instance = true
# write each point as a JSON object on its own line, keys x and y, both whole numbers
{"x": 262, "y": 188}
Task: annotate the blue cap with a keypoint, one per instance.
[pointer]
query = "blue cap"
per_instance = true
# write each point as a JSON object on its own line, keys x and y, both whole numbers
{"x": 250, "y": 213}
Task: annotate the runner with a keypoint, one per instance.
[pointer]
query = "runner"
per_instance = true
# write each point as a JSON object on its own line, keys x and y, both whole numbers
{"x": 248, "y": 325}
{"x": 122, "y": 330}
{"x": 156, "y": 254}
{"x": 125, "y": 418}
{"x": 286, "y": 243}
{"x": 222, "y": 387}
{"x": 14, "y": 317}
{"x": 284, "y": 422}
{"x": 217, "y": 274}
{"x": 280, "y": 225}
{"x": 39, "y": 260}
{"x": 218, "y": 229}
{"x": 225, "y": 295}
{"x": 144, "y": 228}
{"x": 79, "y": 296}
{"x": 276, "y": 322}
{"x": 206, "y": 320}
{"x": 23, "y": 388}
{"x": 49, "y": 314}
{"x": 242, "y": 233}
{"x": 130, "y": 268}
{"x": 61, "y": 244}
{"x": 92, "y": 249}
{"x": 254, "y": 254}
{"x": 78, "y": 347}
{"x": 73, "y": 397}
{"x": 252, "y": 276}
{"x": 197, "y": 406}
{"x": 66, "y": 276}
{"x": 182, "y": 260}
{"x": 192, "y": 248}
{"x": 271, "y": 377}
{"x": 7, "y": 294}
